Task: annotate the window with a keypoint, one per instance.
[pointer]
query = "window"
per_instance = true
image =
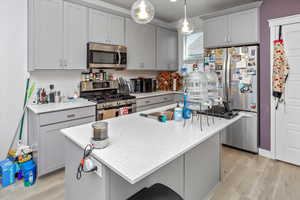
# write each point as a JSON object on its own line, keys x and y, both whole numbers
{"x": 193, "y": 48}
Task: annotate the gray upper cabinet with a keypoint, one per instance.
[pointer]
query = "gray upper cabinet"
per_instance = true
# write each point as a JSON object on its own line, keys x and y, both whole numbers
{"x": 98, "y": 26}
{"x": 140, "y": 41}
{"x": 75, "y": 36}
{"x": 243, "y": 27}
{"x": 216, "y": 32}
{"x": 166, "y": 44}
{"x": 106, "y": 28}
{"x": 57, "y": 35}
{"x": 234, "y": 29}
{"x": 117, "y": 30}
{"x": 47, "y": 34}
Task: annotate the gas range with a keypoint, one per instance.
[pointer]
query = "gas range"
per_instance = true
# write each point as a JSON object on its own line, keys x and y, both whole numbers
{"x": 113, "y": 100}
{"x": 111, "y": 103}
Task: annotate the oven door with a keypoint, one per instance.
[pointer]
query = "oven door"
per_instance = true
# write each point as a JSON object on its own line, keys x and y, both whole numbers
{"x": 109, "y": 113}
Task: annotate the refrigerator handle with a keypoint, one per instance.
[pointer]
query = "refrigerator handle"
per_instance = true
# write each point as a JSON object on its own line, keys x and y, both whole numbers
{"x": 228, "y": 76}
{"x": 225, "y": 81}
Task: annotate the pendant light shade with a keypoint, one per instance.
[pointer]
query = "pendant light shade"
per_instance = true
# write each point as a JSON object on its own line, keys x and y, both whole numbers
{"x": 186, "y": 27}
{"x": 142, "y": 11}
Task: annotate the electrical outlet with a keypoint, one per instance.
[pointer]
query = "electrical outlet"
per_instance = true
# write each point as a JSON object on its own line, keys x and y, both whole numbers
{"x": 99, "y": 167}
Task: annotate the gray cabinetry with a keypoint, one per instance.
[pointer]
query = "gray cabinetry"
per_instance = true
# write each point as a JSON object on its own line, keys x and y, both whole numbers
{"x": 98, "y": 26}
{"x": 243, "y": 27}
{"x": 245, "y": 140}
{"x": 47, "y": 34}
{"x": 117, "y": 30}
{"x": 75, "y": 36}
{"x": 154, "y": 102}
{"x": 192, "y": 175}
{"x": 140, "y": 42}
{"x": 55, "y": 41}
{"x": 106, "y": 28}
{"x": 233, "y": 29}
{"x": 166, "y": 54}
{"x": 216, "y": 32}
{"x": 46, "y": 138}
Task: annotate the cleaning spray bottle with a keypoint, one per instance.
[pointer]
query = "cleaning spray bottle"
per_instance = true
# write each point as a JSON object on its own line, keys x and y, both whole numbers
{"x": 186, "y": 112}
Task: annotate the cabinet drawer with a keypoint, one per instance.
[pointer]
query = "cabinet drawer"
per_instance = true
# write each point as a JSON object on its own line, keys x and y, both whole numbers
{"x": 154, "y": 100}
{"x": 166, "y": 98}
{"x": 66, "y": 115}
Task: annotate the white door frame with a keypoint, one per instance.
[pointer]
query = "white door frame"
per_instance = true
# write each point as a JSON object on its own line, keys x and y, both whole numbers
{"x": 273, "y": 24}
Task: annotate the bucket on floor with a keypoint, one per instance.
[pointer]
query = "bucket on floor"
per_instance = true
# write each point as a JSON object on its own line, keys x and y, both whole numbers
{"x": 29, "y": 172}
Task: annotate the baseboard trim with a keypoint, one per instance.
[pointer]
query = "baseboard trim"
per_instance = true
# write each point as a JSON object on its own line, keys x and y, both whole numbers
{"x": 210, "y": 195}
{"x": 265, "y": 153}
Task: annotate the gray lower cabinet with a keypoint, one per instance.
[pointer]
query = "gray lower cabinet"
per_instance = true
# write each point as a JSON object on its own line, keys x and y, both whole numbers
{"x": 192, "y": 175}
{"x": 46, "y": 138}
{"x": 147, "y": 103}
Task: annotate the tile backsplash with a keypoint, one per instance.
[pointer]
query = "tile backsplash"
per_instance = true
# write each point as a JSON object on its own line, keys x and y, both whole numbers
{"x": 67, "y": 81}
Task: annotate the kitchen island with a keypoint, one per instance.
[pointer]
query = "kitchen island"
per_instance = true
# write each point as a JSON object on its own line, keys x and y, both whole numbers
{"x": 143, "y": 152}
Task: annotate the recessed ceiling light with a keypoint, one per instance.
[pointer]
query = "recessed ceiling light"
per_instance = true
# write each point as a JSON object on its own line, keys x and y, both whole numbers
{"x": 173, "y": 0}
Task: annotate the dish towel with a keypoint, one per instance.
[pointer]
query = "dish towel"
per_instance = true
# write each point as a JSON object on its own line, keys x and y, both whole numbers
{"x": 280, "y": 69}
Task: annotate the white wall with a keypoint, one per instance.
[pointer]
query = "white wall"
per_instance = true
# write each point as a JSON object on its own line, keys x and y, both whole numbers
{"x": 13, "y": 66}
{"x": 68, "y": 81}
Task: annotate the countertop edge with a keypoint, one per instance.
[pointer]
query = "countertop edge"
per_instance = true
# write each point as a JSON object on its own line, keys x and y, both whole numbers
{"x": 154, "y": 94}
{"x": 139, "y": 178}
{"x": 41, "y": 110}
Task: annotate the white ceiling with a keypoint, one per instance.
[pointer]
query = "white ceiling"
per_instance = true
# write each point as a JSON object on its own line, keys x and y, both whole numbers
{"x": 170, "y": 12}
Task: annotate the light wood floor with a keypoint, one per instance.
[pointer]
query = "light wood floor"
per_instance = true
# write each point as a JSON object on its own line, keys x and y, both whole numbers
{"x": 245, "y": 177}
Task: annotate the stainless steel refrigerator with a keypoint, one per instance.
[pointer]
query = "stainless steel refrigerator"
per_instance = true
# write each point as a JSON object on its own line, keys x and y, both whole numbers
{"x": 237, "y": 68}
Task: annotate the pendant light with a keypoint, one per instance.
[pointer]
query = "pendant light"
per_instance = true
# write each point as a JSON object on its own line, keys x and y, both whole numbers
{"x": 142, "y": 11}
{"x": 186, "y": 26}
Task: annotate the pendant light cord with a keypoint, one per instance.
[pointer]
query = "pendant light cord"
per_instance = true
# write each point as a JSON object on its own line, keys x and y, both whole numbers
{"x": 185, "y": 9}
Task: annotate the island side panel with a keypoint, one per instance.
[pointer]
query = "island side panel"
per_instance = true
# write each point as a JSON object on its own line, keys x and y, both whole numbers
{"x": 171, "y": 175}
{"x": 202, "y": 169}
{"x": 90, "y": 186}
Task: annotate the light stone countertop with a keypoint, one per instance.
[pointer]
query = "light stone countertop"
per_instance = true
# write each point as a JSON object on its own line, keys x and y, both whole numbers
{"x": 153, "y": 94}
{"x": 139, "y": 146}
{"x": 53, "y": 107}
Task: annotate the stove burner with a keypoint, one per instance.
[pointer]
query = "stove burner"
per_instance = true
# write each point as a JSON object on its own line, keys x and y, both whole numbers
{"x": 104, "y": 98}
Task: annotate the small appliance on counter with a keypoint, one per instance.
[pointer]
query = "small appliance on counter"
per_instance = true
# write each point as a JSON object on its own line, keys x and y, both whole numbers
{"x": 143, "y": 85}
{"x": 100, "y": 136}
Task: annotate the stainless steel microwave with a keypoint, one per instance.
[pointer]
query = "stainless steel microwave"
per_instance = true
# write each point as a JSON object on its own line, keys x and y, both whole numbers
{"x": 105, "y": 56}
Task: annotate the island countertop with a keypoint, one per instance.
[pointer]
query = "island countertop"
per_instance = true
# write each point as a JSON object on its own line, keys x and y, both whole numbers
{"x": 139, "y": 146}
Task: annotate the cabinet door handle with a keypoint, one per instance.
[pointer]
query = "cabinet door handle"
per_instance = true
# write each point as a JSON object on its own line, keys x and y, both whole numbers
{"x": 60, "y": 62}
{"x": 229, "y": 38}
{"x": 148, "y": 102}
{"x": 165, "y": 98}
{"x": 65, "y": 63}
{"x": 71, "y": 116}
